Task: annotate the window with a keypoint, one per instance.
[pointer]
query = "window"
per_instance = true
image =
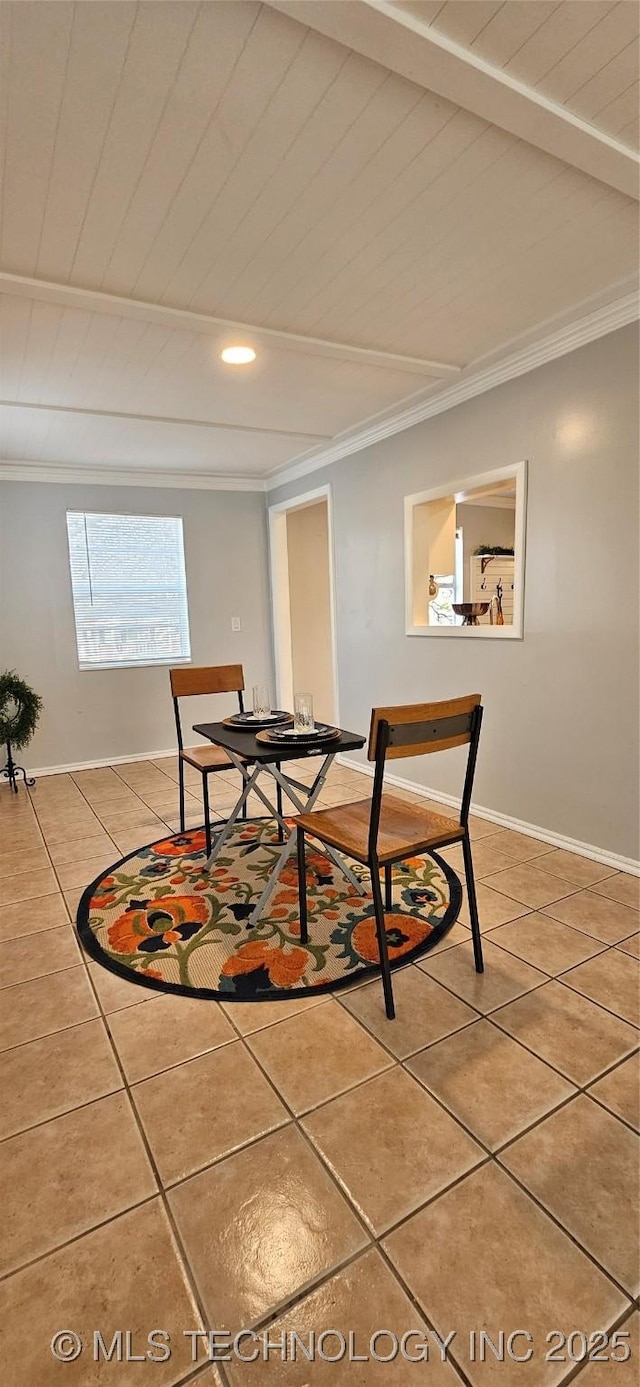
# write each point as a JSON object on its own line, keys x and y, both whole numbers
{"x": 440, "y": 609}
{"x": 129, "y": 589}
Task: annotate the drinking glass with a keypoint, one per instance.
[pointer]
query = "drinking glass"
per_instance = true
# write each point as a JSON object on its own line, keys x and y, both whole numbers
{"x": 261, "y": 701}
{"x": 303, "y": 712}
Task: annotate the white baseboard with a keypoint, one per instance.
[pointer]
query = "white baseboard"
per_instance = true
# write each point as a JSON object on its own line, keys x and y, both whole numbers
{"x": 556, "y": 840}
{"x": 41, "y": 771}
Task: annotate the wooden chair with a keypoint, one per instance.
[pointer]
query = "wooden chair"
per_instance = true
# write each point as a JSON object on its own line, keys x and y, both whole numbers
{"x": 386, "y": 829}
{"x": 189, "y": 683}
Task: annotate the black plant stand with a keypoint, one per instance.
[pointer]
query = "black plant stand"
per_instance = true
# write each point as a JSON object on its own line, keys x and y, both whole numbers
{"x": 11, "y": 771}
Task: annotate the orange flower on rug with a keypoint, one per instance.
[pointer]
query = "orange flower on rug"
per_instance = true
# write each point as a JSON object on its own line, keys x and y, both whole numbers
{"x": 154, "y": 925}
{"x": 282, "y": 969}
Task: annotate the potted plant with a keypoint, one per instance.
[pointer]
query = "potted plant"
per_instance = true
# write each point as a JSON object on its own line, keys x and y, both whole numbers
{"x": 20, "y": 709}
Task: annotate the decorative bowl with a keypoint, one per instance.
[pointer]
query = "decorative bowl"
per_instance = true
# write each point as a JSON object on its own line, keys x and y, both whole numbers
{"x": 470, "y": 611}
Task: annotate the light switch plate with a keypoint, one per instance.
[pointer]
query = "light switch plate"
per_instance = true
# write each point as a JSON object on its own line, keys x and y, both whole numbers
{"x": 235, "y": 623}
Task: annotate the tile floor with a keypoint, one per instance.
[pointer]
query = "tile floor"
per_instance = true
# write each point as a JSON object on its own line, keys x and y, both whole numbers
{"x": 309, "y": 1166}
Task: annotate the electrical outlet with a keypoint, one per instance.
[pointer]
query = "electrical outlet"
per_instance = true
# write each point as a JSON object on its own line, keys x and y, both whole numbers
{"x": 235, "y": 623}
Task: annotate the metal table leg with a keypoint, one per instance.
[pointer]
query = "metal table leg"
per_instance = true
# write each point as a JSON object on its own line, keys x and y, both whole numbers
{"x": 336, "y": 858}
{"x": 250, "y": 783}
{"x": 271, "y": 884}
{"x": 290, "y": 786}
{"x": 313, "y": 792}
{"x": 231, "y": 821}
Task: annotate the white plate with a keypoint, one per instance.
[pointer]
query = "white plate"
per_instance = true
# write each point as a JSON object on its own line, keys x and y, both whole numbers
{"x": 320, "y": 733}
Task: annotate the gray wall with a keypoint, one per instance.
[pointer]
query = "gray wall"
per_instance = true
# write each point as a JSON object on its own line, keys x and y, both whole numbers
{"x": 96, "y": 714}
{"x": 560, "y": 738}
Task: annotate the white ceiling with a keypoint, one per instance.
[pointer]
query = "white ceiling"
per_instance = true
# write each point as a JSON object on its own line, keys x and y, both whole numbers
{"x": 172, "y": 169}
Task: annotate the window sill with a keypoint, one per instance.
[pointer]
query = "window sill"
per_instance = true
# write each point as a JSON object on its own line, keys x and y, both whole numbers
{"x": 137, "y": 664}
{"x": 499, "y": 633}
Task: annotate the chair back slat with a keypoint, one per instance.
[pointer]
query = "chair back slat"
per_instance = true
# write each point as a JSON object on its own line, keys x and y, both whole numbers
{"x": 418, "y": 738}
{"x": 420, "y": 728}
{"x": 210, "y": 679}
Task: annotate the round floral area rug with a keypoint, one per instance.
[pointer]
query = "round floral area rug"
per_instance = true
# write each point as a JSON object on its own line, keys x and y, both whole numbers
{"x": 158, "y": 918}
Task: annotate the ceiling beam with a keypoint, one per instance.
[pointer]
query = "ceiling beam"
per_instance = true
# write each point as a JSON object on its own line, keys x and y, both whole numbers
{"x": 162, "y": 419}
{"x": 399, "y": 40}
{"x": 94, "y": 301}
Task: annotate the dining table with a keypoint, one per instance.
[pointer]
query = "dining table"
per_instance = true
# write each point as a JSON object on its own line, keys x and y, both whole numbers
{"x": 260, "y": 764}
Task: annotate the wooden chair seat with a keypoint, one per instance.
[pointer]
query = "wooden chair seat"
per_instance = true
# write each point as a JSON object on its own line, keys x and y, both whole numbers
{"x": 405, "y": 828}
{"x": 206, "y": 758}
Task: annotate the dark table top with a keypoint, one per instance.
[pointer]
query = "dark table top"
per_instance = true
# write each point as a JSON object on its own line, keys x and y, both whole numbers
{"x": 245, "y": 744}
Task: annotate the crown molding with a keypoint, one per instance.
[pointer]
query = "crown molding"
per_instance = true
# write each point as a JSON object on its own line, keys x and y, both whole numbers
{"x": 114, "y": 476}
{"x": 567, "y": 339}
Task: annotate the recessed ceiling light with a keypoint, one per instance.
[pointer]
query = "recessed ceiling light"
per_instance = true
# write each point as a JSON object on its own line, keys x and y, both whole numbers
{"x": 238, "y": 356}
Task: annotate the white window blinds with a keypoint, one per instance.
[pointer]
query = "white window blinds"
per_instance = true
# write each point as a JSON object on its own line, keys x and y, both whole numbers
{"x": 129, "y": 589}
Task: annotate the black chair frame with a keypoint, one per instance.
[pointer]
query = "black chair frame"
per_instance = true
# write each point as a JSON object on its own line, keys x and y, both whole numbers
{"x": 466, "y": 727}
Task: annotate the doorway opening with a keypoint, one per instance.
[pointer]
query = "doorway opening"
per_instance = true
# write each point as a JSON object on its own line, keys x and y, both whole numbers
{"x": 302, "y": 587}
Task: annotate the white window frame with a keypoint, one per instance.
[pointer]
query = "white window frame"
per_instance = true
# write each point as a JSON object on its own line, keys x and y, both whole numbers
{"x": 150, "y": 663}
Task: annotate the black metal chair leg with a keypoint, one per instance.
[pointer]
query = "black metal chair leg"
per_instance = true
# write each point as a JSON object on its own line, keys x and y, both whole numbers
{"x": 181, "y": 785}
{"x": 388, "y": 887}
{"x": 243, "y": 811}
{"x": 302, "y": 885}
{"x": 207, "y": 823}
{"x": 382, "y": 940}
{"x": 279, "y": 804}
{"x": 473, "y": 904}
